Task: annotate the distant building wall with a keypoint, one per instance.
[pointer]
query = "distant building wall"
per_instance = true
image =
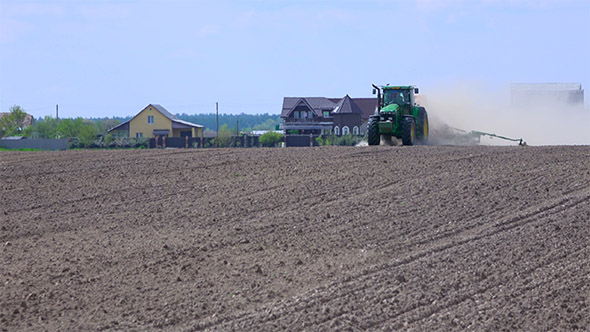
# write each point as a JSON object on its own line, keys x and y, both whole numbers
{"x": 551, "y": 94}
{"x": 191, "y": 132}
{"x": 140, "y": 124}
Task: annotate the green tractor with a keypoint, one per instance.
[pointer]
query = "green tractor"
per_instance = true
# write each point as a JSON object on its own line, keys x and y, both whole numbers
{"x": 398, "y": 115}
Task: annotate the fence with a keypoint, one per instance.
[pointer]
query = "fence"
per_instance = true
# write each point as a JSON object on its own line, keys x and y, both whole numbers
{"x": 175, "y": 142}
{"x": 245, "y": 141}
{"x": 36, "y": 143}
{"x": 301, "y": 140}
{"x": 312, "y": 140}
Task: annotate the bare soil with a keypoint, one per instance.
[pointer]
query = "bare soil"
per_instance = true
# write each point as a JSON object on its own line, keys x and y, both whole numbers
{"x": 420, "y": 238}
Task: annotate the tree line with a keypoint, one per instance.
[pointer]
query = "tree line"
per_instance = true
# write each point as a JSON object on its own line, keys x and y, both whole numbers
{"x": 87, "y": 129}
{"x": 242, "y": 122}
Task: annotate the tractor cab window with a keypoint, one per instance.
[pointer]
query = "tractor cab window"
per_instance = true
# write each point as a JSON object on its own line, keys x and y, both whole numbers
{"x": 399, "y": 97}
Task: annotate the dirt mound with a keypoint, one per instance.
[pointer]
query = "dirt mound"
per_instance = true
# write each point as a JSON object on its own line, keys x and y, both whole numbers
{"x": 332, "y": 238}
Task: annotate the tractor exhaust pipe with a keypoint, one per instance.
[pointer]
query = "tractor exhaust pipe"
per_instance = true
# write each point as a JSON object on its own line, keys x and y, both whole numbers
{"x": 377, "y": 90}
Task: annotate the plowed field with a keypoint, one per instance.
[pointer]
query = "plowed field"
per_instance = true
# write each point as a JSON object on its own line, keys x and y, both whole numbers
{"x": 420, "y": 238}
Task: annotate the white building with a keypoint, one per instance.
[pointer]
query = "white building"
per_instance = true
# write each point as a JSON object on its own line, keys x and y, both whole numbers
{"x": 547, "y": 94}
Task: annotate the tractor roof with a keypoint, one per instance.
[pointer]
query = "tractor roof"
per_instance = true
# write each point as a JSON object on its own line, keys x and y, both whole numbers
{"x": 399, "y": 87}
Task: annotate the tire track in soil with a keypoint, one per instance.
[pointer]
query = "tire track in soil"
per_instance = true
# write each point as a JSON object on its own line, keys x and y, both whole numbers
{"x": 471, "y": 222}
{"x": 427, "y": 310}
{"x": 543, "y": 270}
{"x": 469, "y": 227}
{"x": 454, "y": 302}
{"x": 479, "y": 291}
{"x": 433, "y": 309}
{"x": 349, "y": 286}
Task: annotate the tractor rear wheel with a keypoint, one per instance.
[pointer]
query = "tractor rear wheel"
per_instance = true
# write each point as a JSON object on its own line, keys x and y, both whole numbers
{"x": 373, "y": 131}
{"x": 408, "y": 130}
{"x": 422, "y": 126}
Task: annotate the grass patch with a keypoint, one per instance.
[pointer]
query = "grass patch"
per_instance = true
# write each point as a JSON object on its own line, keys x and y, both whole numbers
{"x": 23, "y": 149}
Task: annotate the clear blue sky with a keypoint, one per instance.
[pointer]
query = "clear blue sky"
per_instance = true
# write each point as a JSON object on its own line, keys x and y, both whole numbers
{"x": 113, "y": 57}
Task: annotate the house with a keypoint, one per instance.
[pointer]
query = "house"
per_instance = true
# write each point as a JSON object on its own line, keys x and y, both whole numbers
{"x": 154, "y": 120}
{"x": 320, "y": 115}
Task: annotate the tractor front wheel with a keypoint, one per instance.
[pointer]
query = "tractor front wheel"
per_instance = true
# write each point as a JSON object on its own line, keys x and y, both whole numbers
{"x": 373, "y": 131}
{"x": 408, "y": 130}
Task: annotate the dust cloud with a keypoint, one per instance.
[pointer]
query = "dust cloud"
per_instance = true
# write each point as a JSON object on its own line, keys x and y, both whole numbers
{"x": 473, "y": 106}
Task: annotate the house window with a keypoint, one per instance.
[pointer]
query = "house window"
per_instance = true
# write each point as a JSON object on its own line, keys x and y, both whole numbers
{"x": 355, "y": 130}
{"x": 336, "y": 131}
{"x": 138, "y": 135}
{"x": 310, "y": 114}
{"x": 326, "y": 114}
{"x": 150, "y": 119}
{"x": 345, "y": 130}
{"x": 296, "y": 114}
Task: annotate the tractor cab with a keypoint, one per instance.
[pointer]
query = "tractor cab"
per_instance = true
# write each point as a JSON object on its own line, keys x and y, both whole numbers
{"x": 400, "y": 95}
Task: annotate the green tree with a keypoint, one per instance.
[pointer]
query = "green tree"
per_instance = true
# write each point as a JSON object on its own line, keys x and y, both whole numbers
{"x": 45, "y": 128}
{"x": 13, "y": 124}
{"x": 224, "y": 137}
{"x": 102, "y": 125}
{"x": 69, "y": 128}
{"x": 269, "y": 124}
{"x": 270, "y": 139}
{"x": 87, "y": 134}
{"x": 247, "y": 122}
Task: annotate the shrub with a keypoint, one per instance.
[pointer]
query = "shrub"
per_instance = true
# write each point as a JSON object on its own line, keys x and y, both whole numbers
{"x": 325, "y": 140}
{"x": 345, "y": 140}
{"x": 108, "y": 140}
{"x": 270, "y": 139}
{"x": 87, "y": 135}
{"x": 348, "y": 140}
{"x": 224, "y": 137}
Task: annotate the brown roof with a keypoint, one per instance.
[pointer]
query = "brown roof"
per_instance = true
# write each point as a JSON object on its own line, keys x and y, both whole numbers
{"x": 29, "y": 119}
{"x": 347, "y": 106}
{"x": 317, "y": 104}
{"x": 366, "y": 106}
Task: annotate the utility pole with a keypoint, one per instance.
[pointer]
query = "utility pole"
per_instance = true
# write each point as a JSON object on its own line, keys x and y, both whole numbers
{"x": 237, "y": 126}
{"x": 57, "y": 111}
{"x": 217, "y": 122}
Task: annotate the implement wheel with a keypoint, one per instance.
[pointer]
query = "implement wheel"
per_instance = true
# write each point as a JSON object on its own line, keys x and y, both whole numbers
{"x": 408, "y": 130}
{"x": 373, "y": 131}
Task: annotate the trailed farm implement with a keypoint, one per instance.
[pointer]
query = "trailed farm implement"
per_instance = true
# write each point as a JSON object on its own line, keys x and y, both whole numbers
{"x": 474, "y": 137}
